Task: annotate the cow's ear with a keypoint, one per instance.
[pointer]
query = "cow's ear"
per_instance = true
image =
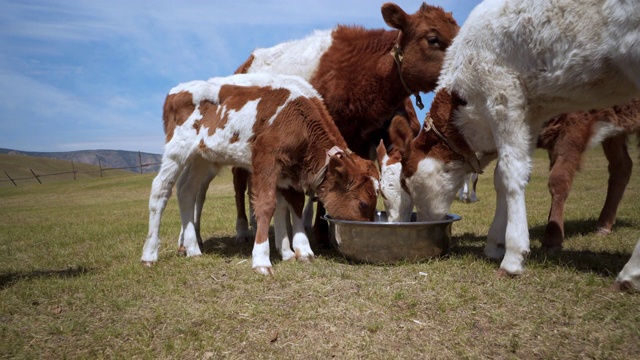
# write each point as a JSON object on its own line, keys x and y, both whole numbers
{"x": 338, "y": 167}
{"x": 381, "y": 152}
{"x": 394, "y": 16}
{"x": 401, "y": 136}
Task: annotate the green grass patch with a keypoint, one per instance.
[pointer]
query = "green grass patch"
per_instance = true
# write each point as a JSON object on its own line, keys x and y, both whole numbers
{"x": 72, "y": 286}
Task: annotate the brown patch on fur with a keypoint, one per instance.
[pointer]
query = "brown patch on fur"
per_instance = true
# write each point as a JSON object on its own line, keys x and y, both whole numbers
{"x": 428, "y": 143}
{"x": 212, "y": 118}
{"x": 202, "y": 146}
{"x": 234, "y": 138}
{"x": 177, "y": 108}
{"x": 245, "y": 66}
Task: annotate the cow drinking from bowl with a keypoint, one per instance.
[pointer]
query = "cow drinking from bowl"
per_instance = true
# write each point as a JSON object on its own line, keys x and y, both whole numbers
{"x": 247, "y": 121}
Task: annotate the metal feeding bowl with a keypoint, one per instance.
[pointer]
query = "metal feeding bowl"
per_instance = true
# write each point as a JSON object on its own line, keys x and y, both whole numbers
{"x": 382, "y": 242}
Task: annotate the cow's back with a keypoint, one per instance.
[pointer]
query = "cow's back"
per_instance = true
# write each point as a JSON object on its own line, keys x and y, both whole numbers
{"x": 296, "y": 57}
{"x": 559, "y": 57}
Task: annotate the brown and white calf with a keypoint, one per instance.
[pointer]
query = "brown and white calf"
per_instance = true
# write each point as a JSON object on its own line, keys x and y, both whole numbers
{"x": 513, "y": 66}
{"x": 362, "y": 82}
{"x": 278, "y": 128}
{"x": 566, "y": 138}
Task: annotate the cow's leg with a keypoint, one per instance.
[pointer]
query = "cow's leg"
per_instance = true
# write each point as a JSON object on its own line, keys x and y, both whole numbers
{"x": 494, "y": 249}
{"x": 473, "y": 197}
{"x": 307, "y": 214}
{"x": 301, "y": 247}
{"x": 620, "y": 166}
{"x": 264, "y": 199}
{"x": 321, "y": 228}
{"x": 192, "y": 188}
{"x": 563, "y": 168}
{"x": 240, "y": 181}
{"x": 160, "y": 194}
{"x": 463, "y": 192}
{"x": 514, "y": 146}
{"x": 629, "y": 277}
{"x": 211, "y": 173}
{"x": 280, "y": 220}
{"x": 187, "y": 184}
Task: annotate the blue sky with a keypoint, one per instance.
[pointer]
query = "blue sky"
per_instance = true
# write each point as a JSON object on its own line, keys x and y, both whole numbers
{"x": 85, "y": 75}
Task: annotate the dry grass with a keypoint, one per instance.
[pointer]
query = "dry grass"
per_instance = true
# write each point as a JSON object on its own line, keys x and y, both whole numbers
{"x": 71, "y": 284}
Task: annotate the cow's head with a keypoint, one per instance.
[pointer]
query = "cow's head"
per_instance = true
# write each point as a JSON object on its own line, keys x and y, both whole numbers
{"x": 397, "y": 201}
{"x": 435, "y": 162}
{"x": 350, "y": 187}
{"x": 422, "y": 41}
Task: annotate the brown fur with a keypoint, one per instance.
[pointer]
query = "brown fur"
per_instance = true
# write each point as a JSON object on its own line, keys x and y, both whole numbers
{"x": 176, "y": 110}
{"x": 360, "y": 83}
{"x": 428, "y": 143}
{"x": 566, "y": 138}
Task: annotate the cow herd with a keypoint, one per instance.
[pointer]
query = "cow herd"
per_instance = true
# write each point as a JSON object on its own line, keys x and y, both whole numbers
{"x": 306, "y": 117}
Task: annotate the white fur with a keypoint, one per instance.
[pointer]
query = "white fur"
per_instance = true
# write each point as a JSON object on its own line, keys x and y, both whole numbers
{"x": 297, "y": 57}
{"x": 436, "y": 183}
{"x": 183, "y": 151}
{"x": 517, "y": 64}
{"x": 630, "y": 274}
{"x": 603, "y": 130}
{"x": 397, "y": 202}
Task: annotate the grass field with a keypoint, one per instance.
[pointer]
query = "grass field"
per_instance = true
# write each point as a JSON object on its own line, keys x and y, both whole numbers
{"x": 72, "y": 286}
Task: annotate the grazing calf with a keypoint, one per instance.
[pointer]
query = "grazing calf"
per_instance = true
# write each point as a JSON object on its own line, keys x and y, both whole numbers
{"x": 566, "y": 138}
{"x": 513, "y": 66}
{"x": 247, "y": 121}
{"x": 364, "y": 76}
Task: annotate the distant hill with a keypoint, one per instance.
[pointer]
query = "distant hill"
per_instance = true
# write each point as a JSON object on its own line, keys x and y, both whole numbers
{"x": 130, "y": 160}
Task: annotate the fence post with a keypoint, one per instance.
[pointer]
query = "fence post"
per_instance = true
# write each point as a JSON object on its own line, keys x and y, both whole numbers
{"x": 73, "y": 168}
{"x": 36, "y": 176}
{"x": 99, "y": 164}
{"x": 14, "y": 183}
{"x": 140, "y": 161}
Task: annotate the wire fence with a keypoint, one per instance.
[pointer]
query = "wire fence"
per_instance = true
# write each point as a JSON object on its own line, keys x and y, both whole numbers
{"x": 75, "y": 172}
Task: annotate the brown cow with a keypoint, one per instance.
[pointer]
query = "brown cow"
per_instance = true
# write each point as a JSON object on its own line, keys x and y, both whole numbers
{"x": 247, "y": 121}
{"x": 364, "y": 76}
{"x": 566, "y": 138}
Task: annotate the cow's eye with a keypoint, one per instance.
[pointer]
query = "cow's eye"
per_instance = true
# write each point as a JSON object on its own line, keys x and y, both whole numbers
{"x": 432, "y": 40}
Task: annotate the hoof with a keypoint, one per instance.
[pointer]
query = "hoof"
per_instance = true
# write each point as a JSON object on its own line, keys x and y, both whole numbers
{"x": 552, "y": 250}
{"x": 288, "y": 256}
{"x": 602, "y": 231}
{"x": 264, "y": 270}
{"x": 243, "y": 239}
{"x": 182, "y": 251}
{"x": 304, "y": 258}
{"x": 147, "y": 263}
{"x": 624, "y": 286}
{"x": 502, "y": 273}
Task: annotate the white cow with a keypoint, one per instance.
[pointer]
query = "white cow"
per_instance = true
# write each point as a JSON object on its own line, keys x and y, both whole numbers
{"x": 513, "y": 66}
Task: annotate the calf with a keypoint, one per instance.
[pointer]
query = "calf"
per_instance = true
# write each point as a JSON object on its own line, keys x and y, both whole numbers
{"x": 513, "y": 66}
{"x": 248, "y": 121}
{"x": 566, "y": 138}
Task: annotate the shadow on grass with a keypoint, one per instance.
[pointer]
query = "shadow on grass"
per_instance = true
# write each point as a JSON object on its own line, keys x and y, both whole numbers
{"x": 229, "y": 246}
{"x": 8, "y": 279}
{"x": 603, "y": 263}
